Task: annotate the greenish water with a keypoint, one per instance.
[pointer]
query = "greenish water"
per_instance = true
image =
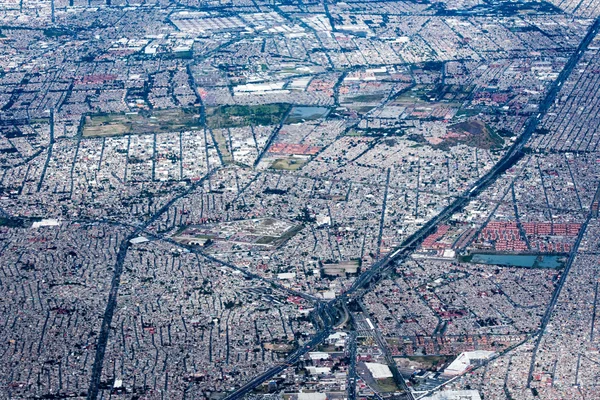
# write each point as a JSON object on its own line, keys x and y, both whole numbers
{"x": 305, "y": 113}
{"x": 519, "y": 260}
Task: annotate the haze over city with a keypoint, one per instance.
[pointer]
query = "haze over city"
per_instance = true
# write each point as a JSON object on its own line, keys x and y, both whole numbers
{"x": 299, "y": 200}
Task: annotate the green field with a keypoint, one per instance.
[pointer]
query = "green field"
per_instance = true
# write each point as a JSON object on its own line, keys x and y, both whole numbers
{"x": 236, "y": 116}
{"x": 159, "y": 121}
{"x": 417, "y": 94}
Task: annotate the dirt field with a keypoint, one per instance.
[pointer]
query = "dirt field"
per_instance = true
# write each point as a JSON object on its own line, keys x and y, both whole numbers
{"x": 288, "y": 164}
{"x": 159, "y": 121}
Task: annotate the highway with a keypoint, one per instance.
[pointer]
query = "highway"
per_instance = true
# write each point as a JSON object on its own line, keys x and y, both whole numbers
{"x": 512, "y": 156}
{"x": 292, "y": 359}
{"x": 389, "y": 359}
{"x": 111, "y": 303}
{"x": 352, "y": 367}
{"x": 555, "y": 296}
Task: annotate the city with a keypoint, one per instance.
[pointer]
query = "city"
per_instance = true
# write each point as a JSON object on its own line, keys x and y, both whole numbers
{"x": 299, "y": 200}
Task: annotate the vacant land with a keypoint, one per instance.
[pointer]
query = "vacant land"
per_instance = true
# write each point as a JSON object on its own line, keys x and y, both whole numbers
{"x": 265, "y": 232}
{"x": 475, "y": 133}
{"x": 160, "y": 121}
{"x": 288, "y": 164}
{"x": 431, "y": 363}
{"x": 342, "y": 268}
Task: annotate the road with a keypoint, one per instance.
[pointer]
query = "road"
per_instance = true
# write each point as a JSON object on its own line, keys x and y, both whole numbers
{"x": 111, "y": 303}
{"x": 383, "y": 208}
{"x": 292, "y": 359}
{"x": 389, "y": 359}
{"x": 555, "y": 296}
{"x": 49, "y": 155}
{"x": 352, "y": 367}
{"x": 272, "y": 136}
{"x": 511, "y": 157}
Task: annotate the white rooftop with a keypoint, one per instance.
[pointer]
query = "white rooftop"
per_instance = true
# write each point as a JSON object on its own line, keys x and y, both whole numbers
{"x": 455, "y": 395}
{"x": 379, "y": 371}
{"x": 463, "y": 361}
{"x": 138, "y": 240}
{"x": 46, "y": 222}
{"x": 312, "y": 396}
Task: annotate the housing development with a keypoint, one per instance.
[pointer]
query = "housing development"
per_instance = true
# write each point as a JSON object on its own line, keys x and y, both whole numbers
{"x": 299, "y": 200}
